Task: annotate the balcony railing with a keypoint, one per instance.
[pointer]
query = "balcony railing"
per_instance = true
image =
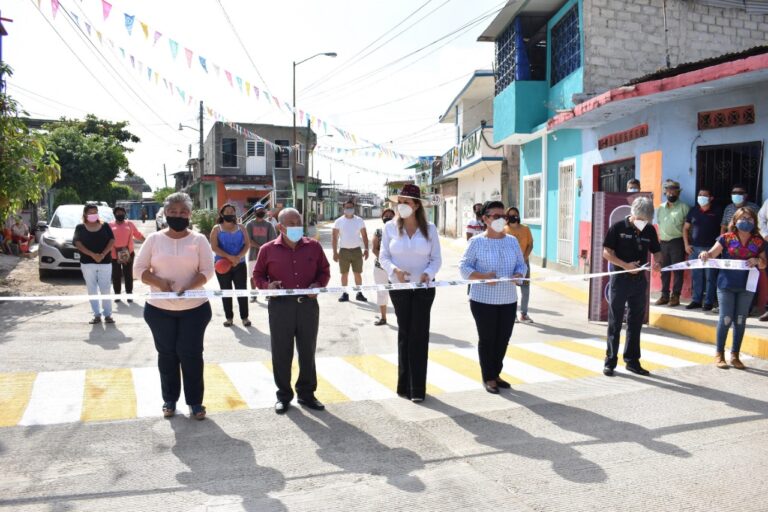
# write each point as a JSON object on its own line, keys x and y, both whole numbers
{"x": 474, "y": 146}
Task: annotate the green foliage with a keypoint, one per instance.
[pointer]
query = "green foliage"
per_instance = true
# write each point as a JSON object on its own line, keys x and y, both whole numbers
{"x": 161, "y": 193}
{"x": 91, "y": 152}
{"x": 204, "y": 220}
{"x": 27, "y": 164}
{"x": 118, "y": 192}
{"x": 66, "y": 195}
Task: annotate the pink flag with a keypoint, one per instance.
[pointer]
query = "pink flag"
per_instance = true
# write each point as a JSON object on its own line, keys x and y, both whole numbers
{"x": 54, "y": 7}
{"x": 158, "y": 35}
{"x": 106, "y": 7}
{"x": 229, "y": 77}
{"x": 188, "y": 52}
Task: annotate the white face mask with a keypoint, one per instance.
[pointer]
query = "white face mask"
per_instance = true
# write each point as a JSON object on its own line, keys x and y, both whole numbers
{"x": 640, "y": 224}
{"x": 349, "y": 211}
{"x": 498, "y": 225}
{"x": 404, "y": 210}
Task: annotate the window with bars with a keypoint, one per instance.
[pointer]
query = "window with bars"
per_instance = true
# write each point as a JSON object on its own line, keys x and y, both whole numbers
{"x": 505, "y": 58}
{"x": 521, "y": 51}
{"x": 282, "y": 160}
{"x": 229, "y": 152}
{"x": 566, "y": 46}
{"x": 532, "y": 198}
{"x": 254, "y": 148}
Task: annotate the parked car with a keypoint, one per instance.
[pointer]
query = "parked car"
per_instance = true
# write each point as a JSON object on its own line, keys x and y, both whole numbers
{"x": 56, "y": 251}
{"x": 160, "y": 219}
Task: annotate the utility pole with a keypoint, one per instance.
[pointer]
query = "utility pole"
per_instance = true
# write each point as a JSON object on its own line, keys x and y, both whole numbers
{"x": 200, "y": 154}
{"x": 305, "y": 208}
{"x": 165, "y": 176}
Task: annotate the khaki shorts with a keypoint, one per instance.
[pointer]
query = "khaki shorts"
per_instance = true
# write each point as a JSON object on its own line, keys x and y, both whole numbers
{"x": 353, "y": 257}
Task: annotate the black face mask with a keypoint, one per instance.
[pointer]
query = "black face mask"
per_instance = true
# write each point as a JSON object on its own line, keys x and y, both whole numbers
{"x": 514, "y": 219}
{"x": 177, "y": 223}
{"x": 120, "y": 217}
{"x": 387, "y": 219}
{"x": 229, "y": 218}
{"x": 261, "y": 215}
{"x": 671, "y": 199}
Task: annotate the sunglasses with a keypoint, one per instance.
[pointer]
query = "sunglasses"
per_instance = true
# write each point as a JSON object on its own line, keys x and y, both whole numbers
{"x": 498, "y": 216}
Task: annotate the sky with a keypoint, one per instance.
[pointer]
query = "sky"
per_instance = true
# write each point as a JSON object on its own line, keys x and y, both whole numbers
{"x": 400, "y": 63}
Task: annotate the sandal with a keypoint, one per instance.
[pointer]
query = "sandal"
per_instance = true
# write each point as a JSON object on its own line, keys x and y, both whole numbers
{"x": 197, "y": 411}
{"x": 246, "y": 322}
{"x": 380, "y": 321}
{"x": 169, "y": 409}
{"x": 228, "y": 323}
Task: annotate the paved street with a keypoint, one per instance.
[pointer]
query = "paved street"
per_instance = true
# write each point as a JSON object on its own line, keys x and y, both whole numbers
{"x": 81, "y": 429}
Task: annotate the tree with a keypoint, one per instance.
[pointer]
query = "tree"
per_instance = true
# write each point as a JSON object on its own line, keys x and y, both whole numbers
{"x": 118, "y": 192}
{"x": 91, "y": 152}
{"x": 27, "y": 165}
{"x": 66, "y": 195}
{"x": 161, "y": 193}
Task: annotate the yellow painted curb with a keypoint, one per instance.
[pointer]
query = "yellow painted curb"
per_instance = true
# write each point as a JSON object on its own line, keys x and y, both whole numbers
{"x": 753, "y": 345}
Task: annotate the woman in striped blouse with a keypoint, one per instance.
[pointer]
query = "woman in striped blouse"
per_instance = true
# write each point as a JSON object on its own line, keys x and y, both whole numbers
{"x": 489, "y": 255}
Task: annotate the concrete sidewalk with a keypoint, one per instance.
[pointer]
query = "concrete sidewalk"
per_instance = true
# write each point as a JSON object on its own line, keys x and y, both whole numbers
{"x": 696, "y": 324}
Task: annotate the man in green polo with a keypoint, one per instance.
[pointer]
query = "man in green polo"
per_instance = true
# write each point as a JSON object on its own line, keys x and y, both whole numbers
{"x": 671, "y": 218}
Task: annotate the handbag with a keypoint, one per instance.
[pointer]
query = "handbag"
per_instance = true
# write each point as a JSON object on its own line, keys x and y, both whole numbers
{"x": 123, "y": 255}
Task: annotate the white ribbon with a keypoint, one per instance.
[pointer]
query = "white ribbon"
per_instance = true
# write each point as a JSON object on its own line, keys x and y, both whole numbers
{"x": 754, "y": 272}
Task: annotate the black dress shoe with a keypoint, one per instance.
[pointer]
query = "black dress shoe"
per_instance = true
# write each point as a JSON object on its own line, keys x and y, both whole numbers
{"x": 502, "y": 383}
{"x": 707, "y": 307}
{"x": 693, "y": 305}
{"x": 494, "y": 390}
{"x": 608, "y": 371}
{"x": 636, "y": 368}
{"x": 282, "y": 407}
{"x": 312, "y": 403}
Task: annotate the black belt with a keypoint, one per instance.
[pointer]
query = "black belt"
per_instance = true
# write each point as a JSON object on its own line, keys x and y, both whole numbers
{"x": 298, "y": 298}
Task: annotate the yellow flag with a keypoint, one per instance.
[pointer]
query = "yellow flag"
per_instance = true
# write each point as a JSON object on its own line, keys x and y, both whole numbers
{"x": 248, "y": 88}
{"x": 145, "y": 28}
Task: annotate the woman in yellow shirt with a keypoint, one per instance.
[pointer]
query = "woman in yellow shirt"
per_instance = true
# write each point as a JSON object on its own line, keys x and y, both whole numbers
{"x": 525, "y": 239}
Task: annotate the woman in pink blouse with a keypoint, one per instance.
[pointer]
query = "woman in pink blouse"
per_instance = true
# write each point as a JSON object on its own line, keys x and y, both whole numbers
{"x": 177, "y": 259}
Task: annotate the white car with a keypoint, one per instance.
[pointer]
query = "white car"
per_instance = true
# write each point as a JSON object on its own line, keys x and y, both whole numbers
{"x": 160, "y": 219}
{"x": 56, "y": 251}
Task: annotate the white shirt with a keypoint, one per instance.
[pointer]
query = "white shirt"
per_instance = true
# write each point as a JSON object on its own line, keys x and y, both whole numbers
{"x": 349, "y": 231}
{"x": 762, "y": 219}
{"x": 415, "y": 255}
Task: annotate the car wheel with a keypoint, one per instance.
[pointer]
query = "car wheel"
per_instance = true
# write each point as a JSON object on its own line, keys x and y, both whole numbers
{"x": 44, "y": 273}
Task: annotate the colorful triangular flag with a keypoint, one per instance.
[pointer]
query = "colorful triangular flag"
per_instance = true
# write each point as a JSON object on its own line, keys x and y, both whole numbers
{"x": 229, "y": 77}
{"x": 145, "y": 29}
{"x": 188, "y": 53}
{"x": 54, "y": 7}
{"x": 174, "y": 48}
{"x": 158, "y": 35}
{"x": 106, "y": 7}
{"x": 202, "y": 63}
{"x": 129, "y": 23}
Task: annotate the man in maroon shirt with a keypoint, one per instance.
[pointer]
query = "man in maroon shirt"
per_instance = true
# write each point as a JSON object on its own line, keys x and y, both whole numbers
{"x": 293, "y": 261}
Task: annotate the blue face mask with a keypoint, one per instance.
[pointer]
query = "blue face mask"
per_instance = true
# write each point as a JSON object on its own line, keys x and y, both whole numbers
{"x": 703, "y": 200}
{"x": 737, "y": 198}
{"x": 294, "y": 234}
{"x": 745, "y": 225}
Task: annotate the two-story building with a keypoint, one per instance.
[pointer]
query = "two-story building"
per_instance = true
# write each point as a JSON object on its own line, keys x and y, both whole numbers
{"x": 475, "y": 169}
{"x": 242, "y": 170}
{"x": 575, "y": 89}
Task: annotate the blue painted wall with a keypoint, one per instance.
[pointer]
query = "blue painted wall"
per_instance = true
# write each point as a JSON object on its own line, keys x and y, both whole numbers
{"x": 530, "y": 163}
{"x": 518, "y": 108}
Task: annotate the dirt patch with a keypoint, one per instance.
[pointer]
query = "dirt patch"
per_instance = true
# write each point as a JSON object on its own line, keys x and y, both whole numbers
{"x": 20, "y": 277}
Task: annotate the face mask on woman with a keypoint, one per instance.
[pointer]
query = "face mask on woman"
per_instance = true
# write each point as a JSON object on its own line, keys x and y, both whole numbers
{"x": 405, "y": 210}
{"x": 177, "y": 223}
{"x": 745, "y": 225}
{"x": 498, "y": 225}
{"x": 120, "y": 217}
{"x": 514, "y": 219}
{"x": 92, "y": 217}
{"x": 229, "y": 218}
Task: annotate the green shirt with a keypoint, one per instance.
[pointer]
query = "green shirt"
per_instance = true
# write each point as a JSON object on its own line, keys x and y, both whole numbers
{"x": 671, "y": 217}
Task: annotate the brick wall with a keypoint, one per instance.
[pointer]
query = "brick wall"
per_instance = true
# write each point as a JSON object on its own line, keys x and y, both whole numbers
{"x": 624, "y": 39}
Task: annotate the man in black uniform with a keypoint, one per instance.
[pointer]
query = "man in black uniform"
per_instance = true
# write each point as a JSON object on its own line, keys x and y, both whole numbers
{"x": 626, "y": 247}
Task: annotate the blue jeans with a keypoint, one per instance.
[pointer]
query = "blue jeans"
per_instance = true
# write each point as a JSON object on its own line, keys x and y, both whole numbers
{"x": 735, "y": 304}
{"x": 525, "y": 291}
{"x": 704, "y": 281}
{"x": 98, "y": 278}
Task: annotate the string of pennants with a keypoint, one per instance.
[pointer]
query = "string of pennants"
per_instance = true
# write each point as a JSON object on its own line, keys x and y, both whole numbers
{"x": 245, "y": 87}
{"x": 361, "y": 168}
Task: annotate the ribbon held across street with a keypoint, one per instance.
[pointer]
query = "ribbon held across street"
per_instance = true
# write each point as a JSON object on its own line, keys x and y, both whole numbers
{"x": 697, "y": 264}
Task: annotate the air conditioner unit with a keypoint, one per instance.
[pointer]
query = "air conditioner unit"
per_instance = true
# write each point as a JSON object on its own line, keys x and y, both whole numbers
{"x": 255, "y": 158}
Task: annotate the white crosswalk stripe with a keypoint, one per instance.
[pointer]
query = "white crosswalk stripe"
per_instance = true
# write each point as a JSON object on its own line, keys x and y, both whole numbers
{"x": 351, "y": 381}
{"x": 53, "y": 400}
{"x": 253, "y": 381}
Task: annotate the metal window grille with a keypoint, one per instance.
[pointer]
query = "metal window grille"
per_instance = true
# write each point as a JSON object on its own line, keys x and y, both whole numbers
{"x": 532, "y": 198}
{"x": 260, "y": 148}
{"x": 719, "y": 167}
{"x": 282, "y": 160}
{"x": 613, "y": 177}
{"x": 250, "y": 148}
{"x": 566, "y": 46}
{"x": 505, "y": 58}
{"x": 565, "y": 224}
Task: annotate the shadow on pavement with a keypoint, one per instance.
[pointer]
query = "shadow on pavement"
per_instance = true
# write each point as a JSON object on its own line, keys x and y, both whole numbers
{"x": 442, "y": 339}
{"x": 566, "y": 460}
{"x": 106, "y": 336}
{"x": 221, "y": 465}
{"x": 251, "y": 337}
{"x": 355, "y": 451}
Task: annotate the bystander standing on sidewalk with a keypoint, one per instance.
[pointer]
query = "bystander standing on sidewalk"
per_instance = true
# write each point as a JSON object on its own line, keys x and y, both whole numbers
{"x": 475, "y": 225}
{"x": 410, "y": 252}
{"x": 701, "y": 230}
{"x": 379, "y": 274}
{"x": 177, "y": 259}
{"x": 94, "y": 241}
{"x": 671, "y": 217}
{"x": 742, "y": 241}
{"x": 230, "y": 244}
{"x": 348, "y": 232}
{"x": 525, "y": 239}
{"x": 260, "y": 231}
{"x": 626, "y": 247}
{"x": 293, "y": 261}
{"x": 490, "y": 255}
{"x": 123, "y": 254}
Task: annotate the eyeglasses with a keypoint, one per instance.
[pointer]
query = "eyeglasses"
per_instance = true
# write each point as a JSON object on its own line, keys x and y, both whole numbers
{"x": 498, "y": 216}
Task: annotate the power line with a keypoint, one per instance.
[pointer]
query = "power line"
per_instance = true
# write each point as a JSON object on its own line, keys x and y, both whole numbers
{"x": 242, "y": 45}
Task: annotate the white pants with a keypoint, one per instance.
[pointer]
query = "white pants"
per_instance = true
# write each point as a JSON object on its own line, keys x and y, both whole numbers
{"x": 98, "y": 278}
{"x": 380, "y": 277}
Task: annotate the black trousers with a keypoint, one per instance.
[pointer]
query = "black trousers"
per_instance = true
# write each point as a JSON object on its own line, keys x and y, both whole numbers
{"x": 494, "y": 328}
{"x": 122, "y": 271}
{"x": 294, "y": 319}
{"x": 179, "y": 342}
{"x": 412, "y": 308}
{"x": 237, "y": 278}
{"x": 673, "y": 252}
{"x": 627, "y": 294}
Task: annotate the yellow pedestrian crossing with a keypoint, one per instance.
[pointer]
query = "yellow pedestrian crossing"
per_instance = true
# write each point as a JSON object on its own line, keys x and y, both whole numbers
{"x": 27, "y": 398}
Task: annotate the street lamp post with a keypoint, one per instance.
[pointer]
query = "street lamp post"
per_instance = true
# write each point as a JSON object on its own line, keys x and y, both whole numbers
{"x": 295, "y": 140}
